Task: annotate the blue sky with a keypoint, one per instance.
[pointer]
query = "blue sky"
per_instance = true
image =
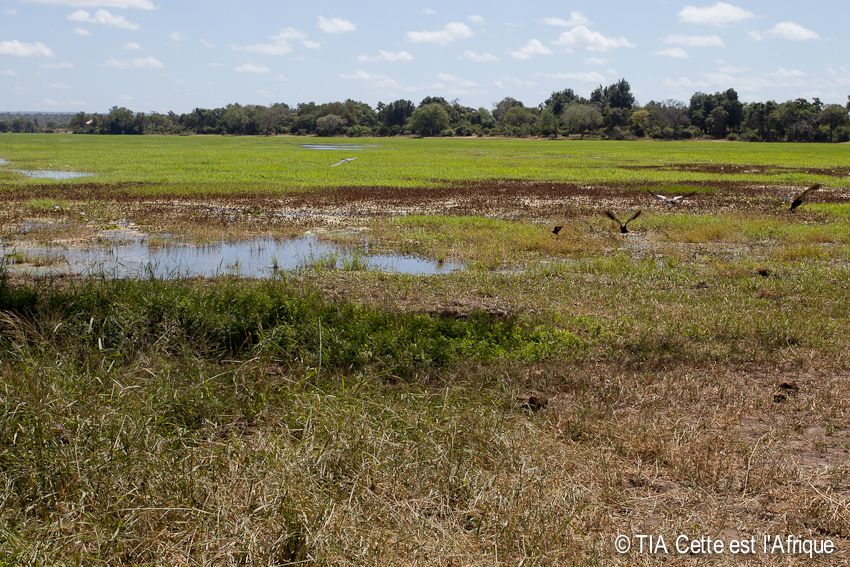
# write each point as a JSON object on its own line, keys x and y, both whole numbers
{"x": 178, "y": 54}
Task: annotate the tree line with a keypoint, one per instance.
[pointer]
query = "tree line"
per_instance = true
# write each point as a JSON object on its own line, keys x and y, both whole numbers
{"x": 611, "y": 112}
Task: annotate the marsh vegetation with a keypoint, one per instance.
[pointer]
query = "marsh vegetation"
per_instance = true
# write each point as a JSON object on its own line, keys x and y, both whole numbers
{"x": 688, "y": 377}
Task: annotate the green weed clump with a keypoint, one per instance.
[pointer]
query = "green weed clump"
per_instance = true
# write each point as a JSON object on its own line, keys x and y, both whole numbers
{"x": 272, "y": 320}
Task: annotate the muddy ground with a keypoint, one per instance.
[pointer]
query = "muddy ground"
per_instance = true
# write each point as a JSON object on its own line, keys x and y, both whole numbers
{"x": 91, "y": 206}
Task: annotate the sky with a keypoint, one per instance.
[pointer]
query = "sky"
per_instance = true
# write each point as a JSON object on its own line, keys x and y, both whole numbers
{"x": 161, "y": 55}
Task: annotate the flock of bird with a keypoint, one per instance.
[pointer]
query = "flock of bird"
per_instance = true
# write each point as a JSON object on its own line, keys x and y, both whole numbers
{"x": 796, "y": 201}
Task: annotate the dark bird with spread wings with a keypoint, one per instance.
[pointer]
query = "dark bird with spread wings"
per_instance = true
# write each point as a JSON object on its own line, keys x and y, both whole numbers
{"x": 624, "y": 226}
{"x": 798, "y": 199}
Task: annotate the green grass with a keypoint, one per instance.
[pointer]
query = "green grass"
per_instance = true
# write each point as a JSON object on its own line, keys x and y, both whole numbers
{"x": 482, "y": 242}
{"x": 742, "y": 228}
{"x": 185, "y": 165}
{"x": 836, "y": 210}
{"x": 273, "y": 320}
{"x": 45, "y": 205}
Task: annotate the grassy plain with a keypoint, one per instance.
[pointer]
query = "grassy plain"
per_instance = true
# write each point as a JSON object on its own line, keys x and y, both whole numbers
{"x": 689, "y": 377}
{"x": 247, "y": 165}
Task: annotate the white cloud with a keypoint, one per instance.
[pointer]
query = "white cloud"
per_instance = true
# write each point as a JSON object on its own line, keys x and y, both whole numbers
{"x": 693, "y": 40}
{"x": 138, "y": 4}
{"x": 274, "y": 48}
{"x": 451, "y": 32}
{"x": 82, "y": 32}
{"x": 60, "y": 86}
{"x": 674, "y": 52}
{"x": 510, "y": 80}
{"x": 10, "y": 11}
{"x": 252, "y": 68}
{"x": 103, "y": 18}
{"x": 391, "y": 56}
{"x": 720, "y": 81}
{"x": 335, "y": 25}
{"x": 783, "y": 73}
{"x": 839, "y": 77}
{"x": 683, "y": 82}
{"x": 136, "y": 63}
{"x": 53, "y": 103}
{"x": 8, "y": 73}
{"x": 475, "y": 19}
{"x": 576, "y": 19}
{"x": 280, "y": 44}
{"x": 786, "y": 30}
{"x": 206, "y": 43}
{"x": 731, "y": 69}
{"x": 20, "y": 49}
{"x": 586, "y": 76}
{"x": 718, "y": 14}
{"x": 61, "y": 65}
{"x": 533, "y": 47}
{"x": 596, "y": 61}
{"x": 428, "y": 11}
{"x": 455, "y": 85}
{"x": 374, "y": 80}
{"x": 132, "y": 46}
{"x": 584, "y": 38}
{"x": 478, "y": 57}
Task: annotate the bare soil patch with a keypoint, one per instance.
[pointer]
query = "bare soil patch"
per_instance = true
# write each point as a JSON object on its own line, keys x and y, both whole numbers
{"x": 745, "y": 169}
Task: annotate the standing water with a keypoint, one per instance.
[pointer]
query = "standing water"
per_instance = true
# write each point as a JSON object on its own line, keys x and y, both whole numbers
{"x": 51, "y": 174}
{"x": 257, "y": 258}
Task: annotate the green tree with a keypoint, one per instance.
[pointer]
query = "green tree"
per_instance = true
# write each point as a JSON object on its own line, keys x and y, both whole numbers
{"x": 558, "y": 101}
{"x": 329, "y": 124}
{"x": 484, "y": 119}
{"x": 640, "y": 121}
{"x": 121, "y": 120}
{"x": 833, "y": 116}
{"x": 517, "y": 120}
{"x": 703, "y": 104}
{"x": 547, "y": 123}
{"x": 394, "y": 115}
{"x": 429, "y": 119}
{"x": 616, "y": 95}
{"x": 717, "y": 122}
{"x": 582, "y": 118}
{"x": 502, "y": 108}
{"x": 235, "y": 119}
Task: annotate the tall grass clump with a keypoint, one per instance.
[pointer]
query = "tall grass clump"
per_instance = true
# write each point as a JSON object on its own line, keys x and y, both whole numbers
{"x": 273, "y": 319}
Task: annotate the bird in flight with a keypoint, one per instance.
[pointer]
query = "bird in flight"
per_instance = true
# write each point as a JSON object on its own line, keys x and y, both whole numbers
{"x": 670, "y": 201}
{"x": 557, "y": 229}
{"x": 798, "y": 199}
{"x": 624, "y": 226}
{"x": 344, "y": 160}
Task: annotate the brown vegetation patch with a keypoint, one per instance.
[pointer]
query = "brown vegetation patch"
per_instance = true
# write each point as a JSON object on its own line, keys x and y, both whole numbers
{"x": 728, "y": 168}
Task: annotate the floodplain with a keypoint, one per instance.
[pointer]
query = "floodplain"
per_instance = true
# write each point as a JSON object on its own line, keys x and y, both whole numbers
{"x": 525, "y": 400}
